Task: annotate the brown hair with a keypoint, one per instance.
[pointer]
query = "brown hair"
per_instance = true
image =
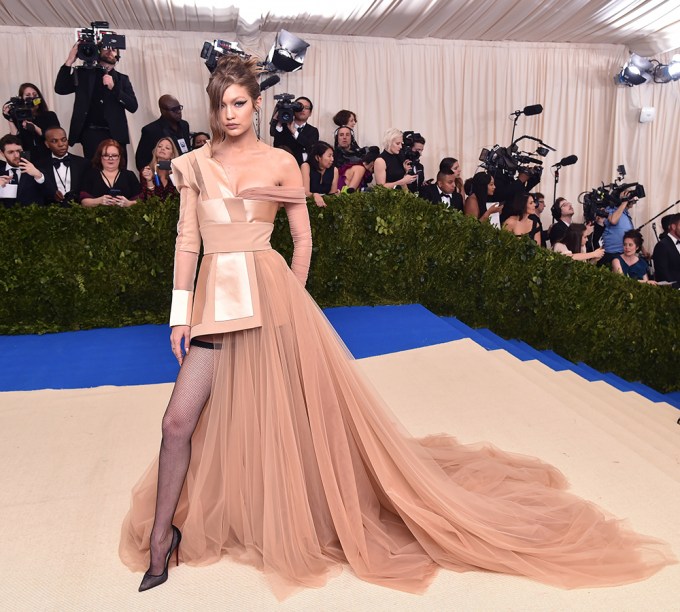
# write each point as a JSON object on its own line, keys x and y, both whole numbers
{"x": 230, "y": 70}
{"x": 42, "y": 107}
{"x": 109, "y": 142}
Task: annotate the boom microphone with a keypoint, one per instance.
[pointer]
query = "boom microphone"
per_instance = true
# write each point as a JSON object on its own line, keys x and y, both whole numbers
{"x": 534, "y": 109}
{"x": 269, "y": 82}
{"x": 566, "y": 161}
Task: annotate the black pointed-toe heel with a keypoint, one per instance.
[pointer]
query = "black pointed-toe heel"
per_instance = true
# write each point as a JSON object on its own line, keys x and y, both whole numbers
{"x": 150, "y": 581}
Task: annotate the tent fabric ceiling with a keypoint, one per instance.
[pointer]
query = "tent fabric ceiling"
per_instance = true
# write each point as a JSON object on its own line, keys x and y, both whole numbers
{"x": 645, "y": 26}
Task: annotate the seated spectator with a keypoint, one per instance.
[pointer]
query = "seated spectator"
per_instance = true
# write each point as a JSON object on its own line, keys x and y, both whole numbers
{"x": 478, "y": 189}
{"x": 357, "y": 176}
{"x": 17, "y": 175}
{"x": 345, "y": 117}
{"x": 62, "y": 172}
{"x": 155, "y": 178}
{"x": 32, "y": 131}
{"x": 319, "y": 175}
{"x": 169, "y": 125}
{"x": 573, "y": 244}
{"x": 108, "y": 182}
{"x": 443, "y": 191}
{"x": 524, "y": 221}
{"x": 562, "y": 212}
{"x": 452, "y": 164}
{"x": 629, "y": 263}
{"x": 390, "y": 170}
{"x": 667, "y": 251}
{"x": 198, "y": 139}
{"x": 346, "y": 150}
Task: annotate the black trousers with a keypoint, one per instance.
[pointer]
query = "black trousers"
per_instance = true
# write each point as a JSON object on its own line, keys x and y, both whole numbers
{"x": 91, "y": 138}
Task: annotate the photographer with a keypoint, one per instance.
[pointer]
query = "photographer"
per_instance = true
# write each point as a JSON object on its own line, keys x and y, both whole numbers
{"x": 296, "y": 136}
{"x": 17, "y": 175}
{"x": 102, "y": 97}
{"x": 416, "y": 144}
{"x": 155, "y": 178}
{"x": 169, "y": 125}
{"x": 29, "y": 117}
{"x": 616, "y": 225}
{"x": 391, "y": 169}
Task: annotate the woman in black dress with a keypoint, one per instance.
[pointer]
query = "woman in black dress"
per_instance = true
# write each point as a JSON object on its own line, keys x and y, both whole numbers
{"x": 109, "y": 183}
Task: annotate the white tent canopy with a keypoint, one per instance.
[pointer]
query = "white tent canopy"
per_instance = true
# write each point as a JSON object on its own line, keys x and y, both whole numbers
{"x": 645, "y": 26}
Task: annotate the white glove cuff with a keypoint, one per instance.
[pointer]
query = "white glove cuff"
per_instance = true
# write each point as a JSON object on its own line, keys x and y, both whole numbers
{"x": 180, "y": 310}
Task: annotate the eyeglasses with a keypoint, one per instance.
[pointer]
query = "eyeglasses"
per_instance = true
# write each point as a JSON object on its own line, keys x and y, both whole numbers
{"x": 174, "y": 109}
{"x": 306, "y": 107}
{"x": 111, "y": 156}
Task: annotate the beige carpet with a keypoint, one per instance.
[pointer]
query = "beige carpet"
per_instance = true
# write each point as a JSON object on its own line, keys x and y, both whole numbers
{"x": 69, "y": 459}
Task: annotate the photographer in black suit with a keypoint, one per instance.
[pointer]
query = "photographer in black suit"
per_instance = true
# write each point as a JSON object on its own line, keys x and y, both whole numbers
{"x": 298, "y": 136}
{"x": 62, "y": 172}
{"x": 102, "y": 97}
{"x": 169, "y": 125}
{"x": 667, "y": 253}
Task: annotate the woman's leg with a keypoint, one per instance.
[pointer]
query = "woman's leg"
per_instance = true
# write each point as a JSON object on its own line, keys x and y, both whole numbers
{"x": 188, "y": 398}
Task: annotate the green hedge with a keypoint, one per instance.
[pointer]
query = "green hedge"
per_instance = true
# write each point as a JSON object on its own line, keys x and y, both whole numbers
{"x": 79, "y": 268}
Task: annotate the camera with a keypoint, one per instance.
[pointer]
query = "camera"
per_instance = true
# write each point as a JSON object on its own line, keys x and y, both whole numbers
{"x": 20, "y": 110}
{"x": 596, "y": 201}
{"x": 407, "y": 153}
{"x": 286, "y": 107}
{"x": 212, "y": 51}
{"x": 95, "y": 38}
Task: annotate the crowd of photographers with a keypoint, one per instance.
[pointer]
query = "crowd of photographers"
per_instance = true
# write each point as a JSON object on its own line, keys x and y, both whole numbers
{"x": 38, "y": 167}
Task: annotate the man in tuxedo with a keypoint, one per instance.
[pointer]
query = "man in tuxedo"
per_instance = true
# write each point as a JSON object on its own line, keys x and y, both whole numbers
{"x": 443, "y": 191}
{"x": 102, "y": 97}
{"x": 169, "y": 125}
{"x": 17, "y": 175}
{"x": 298, "y": 136}
{"x": 667, "y": 253}
{"x": 62, "y": 173}
{"x": 563, "y": 212}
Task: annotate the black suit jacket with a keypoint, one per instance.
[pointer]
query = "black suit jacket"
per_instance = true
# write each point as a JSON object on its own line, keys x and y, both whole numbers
{"x": 430, "y": 192}
{"x": 78, "y": 168}
{"x": 81, "y": 81}
{"x": 28, "y": 191}
{"x": 304, "y": 143}
{"x": 153, "y": 132}
{"x": 666, "y": 260}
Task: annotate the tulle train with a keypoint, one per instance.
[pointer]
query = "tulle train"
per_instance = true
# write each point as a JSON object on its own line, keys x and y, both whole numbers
{"x": 297, "y": 467}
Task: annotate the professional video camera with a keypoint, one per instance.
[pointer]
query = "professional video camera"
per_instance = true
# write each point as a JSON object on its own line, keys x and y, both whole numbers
{"x": 596, "y": 201}
{"x": 509, "y": 161}
{"x": 20, "y": 110}
{"x": 212, "y": 51}
{"x": 286, "y": 108}
{"x": 95, "y": 38}
{"x": 407, "y": 153}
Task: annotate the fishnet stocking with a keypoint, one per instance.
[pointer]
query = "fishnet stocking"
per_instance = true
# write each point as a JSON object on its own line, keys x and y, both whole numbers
{"x": 188, "y": 398}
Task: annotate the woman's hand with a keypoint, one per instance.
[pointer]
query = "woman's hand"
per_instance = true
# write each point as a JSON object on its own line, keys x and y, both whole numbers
{"x": 124, "y": 202}
{"x": 179, "y": 333}
{"x": 318, "y": 200}
{"x": 147, "y": 175}
{"x": 598, "y": 254}
{"x": 407, "y": 179}
{"x": 29, "y": 125}
{"x": 496, "y": 208}
{"x": 106, "y": 200}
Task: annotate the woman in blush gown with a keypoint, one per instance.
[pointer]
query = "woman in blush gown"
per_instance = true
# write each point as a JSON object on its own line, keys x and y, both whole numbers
{"x": 274, "y": 449}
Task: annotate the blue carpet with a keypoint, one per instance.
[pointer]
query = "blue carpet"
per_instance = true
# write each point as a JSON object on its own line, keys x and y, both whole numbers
{"x": 141, "y": 355}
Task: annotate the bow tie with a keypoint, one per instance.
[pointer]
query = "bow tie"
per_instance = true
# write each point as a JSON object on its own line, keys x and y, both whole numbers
{"x": 58, "y": 162}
